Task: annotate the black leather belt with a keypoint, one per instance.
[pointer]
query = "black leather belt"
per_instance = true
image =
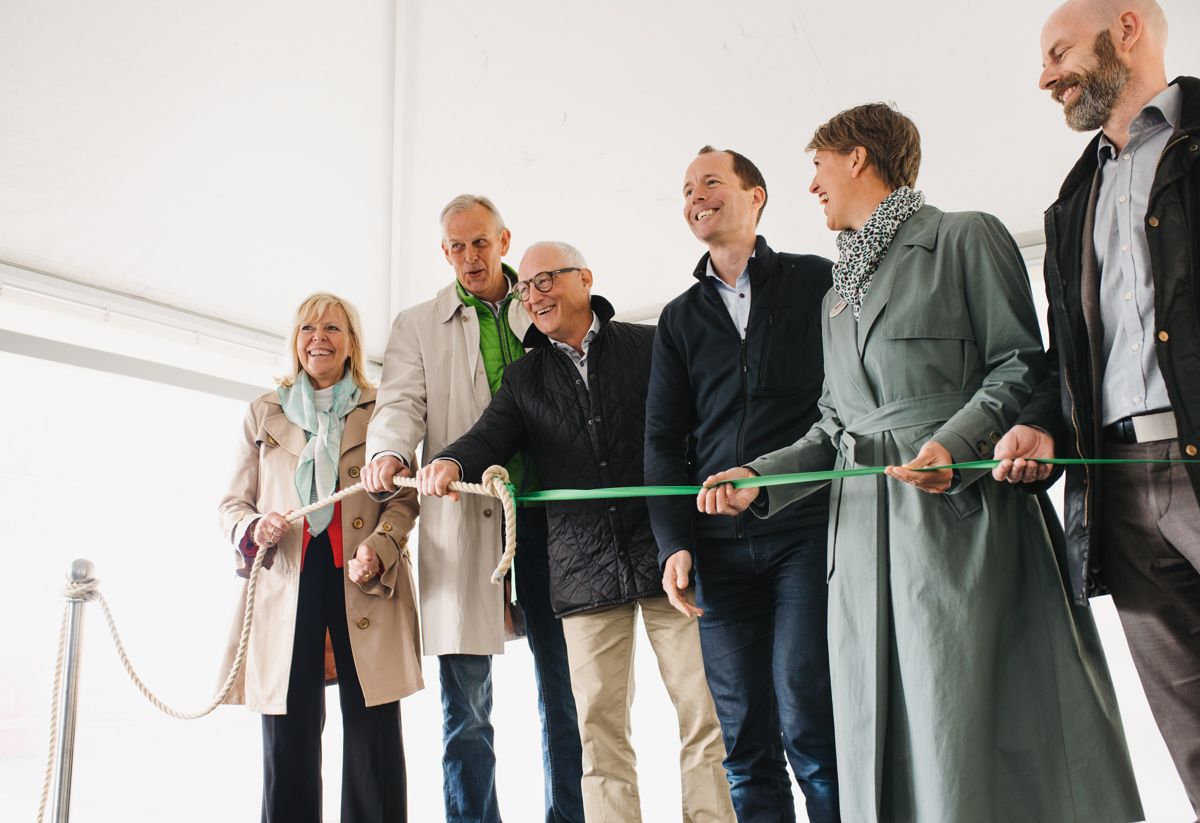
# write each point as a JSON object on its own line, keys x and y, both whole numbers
{"x": 1120, "y": 432}
{"x": 1125, "y": 430}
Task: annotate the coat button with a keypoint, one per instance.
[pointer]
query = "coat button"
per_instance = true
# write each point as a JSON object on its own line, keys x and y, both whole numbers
{"x": 357, "y": 523}
{"x": 983, "y": 446}
{"x": 353, "y": 471}
{"x": 240, "y": 516}
{"x": 386, "y": 527}
{"x": 1163, "y": 336}
{"x": 612, "y": 508}
{"x": 363, "y": 622}
{"x": 271, "y": 441}
{"x": 1153, "y": 221}
{"x": 1191, "y": 450}
{"x": 487, "y": 512}
{"x": 466, "y": 318}
{"x": 994, "y": 437}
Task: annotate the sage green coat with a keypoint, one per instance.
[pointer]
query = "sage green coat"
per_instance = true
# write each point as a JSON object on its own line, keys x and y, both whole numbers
{"x": 966, "y": 687}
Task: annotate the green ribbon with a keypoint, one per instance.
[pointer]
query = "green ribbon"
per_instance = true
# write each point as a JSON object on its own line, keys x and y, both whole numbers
{"x": 788, "y": 479}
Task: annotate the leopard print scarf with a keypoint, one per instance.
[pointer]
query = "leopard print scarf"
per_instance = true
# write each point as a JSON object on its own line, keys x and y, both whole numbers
{"x": 859, "y": 252}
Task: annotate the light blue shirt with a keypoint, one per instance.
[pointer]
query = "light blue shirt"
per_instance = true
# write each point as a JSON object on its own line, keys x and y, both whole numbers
{"x": 735, "y": 297}
{"x": 1133, "y": 383}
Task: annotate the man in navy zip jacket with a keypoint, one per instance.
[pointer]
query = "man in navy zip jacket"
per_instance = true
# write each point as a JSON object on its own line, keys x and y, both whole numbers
{"x": 737, "y": 372}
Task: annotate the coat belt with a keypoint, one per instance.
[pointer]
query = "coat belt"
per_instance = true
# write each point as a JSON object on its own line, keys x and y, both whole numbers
{"x": 857, "y": 443}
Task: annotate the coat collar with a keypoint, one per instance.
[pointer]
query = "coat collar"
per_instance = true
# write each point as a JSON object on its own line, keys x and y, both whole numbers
{"x": 919, "y": 230}
{"x": 604, "y": 313}
{"x": 292, "y": 438}
{"x": 1085, "y": 167}
{"x": 762, "y": 264}
{"x": 447, "y": 304}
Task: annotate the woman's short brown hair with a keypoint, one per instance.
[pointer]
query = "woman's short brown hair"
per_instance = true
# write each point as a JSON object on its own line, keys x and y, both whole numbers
{"x": 313, "y": 307}
{"x": 892, "y": 141}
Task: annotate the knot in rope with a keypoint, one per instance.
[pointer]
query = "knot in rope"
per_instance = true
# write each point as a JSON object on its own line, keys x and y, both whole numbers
{"x": 86, "y": 590}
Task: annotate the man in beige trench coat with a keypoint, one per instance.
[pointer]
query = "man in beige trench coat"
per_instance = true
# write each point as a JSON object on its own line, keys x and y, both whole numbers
{"x": 443, "y": 363}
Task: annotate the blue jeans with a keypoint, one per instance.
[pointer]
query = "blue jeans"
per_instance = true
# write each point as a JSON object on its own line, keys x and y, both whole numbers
{"x": 469, "y": 756}
{"x": 562, "y": 753}
{"x": 766, "y": 659}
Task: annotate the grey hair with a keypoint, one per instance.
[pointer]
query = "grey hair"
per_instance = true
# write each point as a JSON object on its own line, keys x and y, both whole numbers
{"x": 466, "y": 202}
{"x": 571, "y": 255}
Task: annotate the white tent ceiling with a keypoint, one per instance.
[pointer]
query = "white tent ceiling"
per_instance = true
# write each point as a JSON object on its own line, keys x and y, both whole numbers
{"x": 227, "y": 158}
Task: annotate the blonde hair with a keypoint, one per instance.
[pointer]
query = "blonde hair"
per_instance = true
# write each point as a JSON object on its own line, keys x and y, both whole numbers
{"x": 313, "y": 307}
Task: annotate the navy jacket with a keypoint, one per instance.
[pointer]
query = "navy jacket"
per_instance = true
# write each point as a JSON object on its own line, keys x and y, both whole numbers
{"x": 717, "y": 402}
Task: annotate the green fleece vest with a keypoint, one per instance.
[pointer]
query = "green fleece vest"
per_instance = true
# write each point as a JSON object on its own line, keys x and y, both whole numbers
{"x": 499, "y": 346}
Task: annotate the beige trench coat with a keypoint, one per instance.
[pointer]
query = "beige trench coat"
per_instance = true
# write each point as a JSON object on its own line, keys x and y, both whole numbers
{"x": 381, "y": 615}
{"x": 434, "y": 388}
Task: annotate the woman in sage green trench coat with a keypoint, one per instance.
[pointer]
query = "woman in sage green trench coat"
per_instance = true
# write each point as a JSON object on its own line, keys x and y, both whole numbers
{"x": 966, "y": 687}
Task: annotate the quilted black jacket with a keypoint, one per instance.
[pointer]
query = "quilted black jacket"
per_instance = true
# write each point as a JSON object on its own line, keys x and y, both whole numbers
{"x": 602, "y": 552}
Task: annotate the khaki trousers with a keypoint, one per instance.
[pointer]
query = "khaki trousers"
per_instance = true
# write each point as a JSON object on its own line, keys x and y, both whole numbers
{"x": 600, "y": 647}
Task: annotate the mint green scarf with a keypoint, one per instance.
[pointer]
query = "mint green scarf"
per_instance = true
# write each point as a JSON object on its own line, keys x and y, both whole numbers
{"x": 316, "y": 476}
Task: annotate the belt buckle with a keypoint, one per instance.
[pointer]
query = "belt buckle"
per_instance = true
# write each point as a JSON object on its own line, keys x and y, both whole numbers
{"x": 1148, "y": 428}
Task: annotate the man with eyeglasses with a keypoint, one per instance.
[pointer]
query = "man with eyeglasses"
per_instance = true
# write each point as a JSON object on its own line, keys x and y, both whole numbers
{"x": 576, "y": 404}
{"x": 443, "y": 363}
{"x": 738, "y": 369}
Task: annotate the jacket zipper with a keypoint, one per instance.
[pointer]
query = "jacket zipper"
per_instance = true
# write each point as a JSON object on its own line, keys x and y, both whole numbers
{"x": 508, "y": 360}
{"x": 742, "y": 427}
{"x": 1167, "y": 149}
{"x": 1087, "y": 474}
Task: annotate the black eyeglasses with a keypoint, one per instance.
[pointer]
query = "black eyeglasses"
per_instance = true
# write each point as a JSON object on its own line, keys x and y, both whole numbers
{"x": 543, "y": 281}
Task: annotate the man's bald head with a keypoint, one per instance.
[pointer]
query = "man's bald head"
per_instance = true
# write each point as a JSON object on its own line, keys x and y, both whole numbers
{"x": 1095, "y": 16}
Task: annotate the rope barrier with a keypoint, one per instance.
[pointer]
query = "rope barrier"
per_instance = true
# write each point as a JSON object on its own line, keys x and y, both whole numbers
{"x": 495, "y": 484}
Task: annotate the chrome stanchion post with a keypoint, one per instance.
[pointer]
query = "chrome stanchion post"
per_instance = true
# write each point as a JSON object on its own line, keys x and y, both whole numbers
{"x": 81, "y": 570}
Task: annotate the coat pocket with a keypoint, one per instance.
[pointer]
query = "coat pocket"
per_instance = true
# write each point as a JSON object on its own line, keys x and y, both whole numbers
{"x": 909, "y": 441}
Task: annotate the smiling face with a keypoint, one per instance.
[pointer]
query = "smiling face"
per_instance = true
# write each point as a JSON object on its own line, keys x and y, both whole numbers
{"x": 833, "y": 184}
{"x": 715, "y": 205}
{"x": 323, "y": 347}
{"x": 475, "y": 249}
{"x": 1082, "y": 70}
{"x": 565, "y": 312}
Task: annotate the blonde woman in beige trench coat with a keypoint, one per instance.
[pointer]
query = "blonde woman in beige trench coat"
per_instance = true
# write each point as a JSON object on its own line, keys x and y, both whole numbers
{"x": 365, "y": 598}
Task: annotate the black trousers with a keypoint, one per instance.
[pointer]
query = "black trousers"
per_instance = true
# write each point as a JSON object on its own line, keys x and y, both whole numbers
{"x": 373, "y": 780}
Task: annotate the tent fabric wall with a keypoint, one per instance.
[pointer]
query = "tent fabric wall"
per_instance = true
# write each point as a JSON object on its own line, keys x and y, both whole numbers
{"x": 229, "y": 158}
{"x": 223, "y": 157}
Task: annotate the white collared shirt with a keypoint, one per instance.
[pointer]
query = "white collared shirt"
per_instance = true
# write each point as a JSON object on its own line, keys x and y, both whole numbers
{"x": 735, "y": 297}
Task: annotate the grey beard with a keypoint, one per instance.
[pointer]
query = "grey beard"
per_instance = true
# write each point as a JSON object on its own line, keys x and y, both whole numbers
{"x": 1099, "y": 89}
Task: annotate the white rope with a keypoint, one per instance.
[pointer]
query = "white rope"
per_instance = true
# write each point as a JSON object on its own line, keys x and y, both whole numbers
{"x": 495, "y": 484}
